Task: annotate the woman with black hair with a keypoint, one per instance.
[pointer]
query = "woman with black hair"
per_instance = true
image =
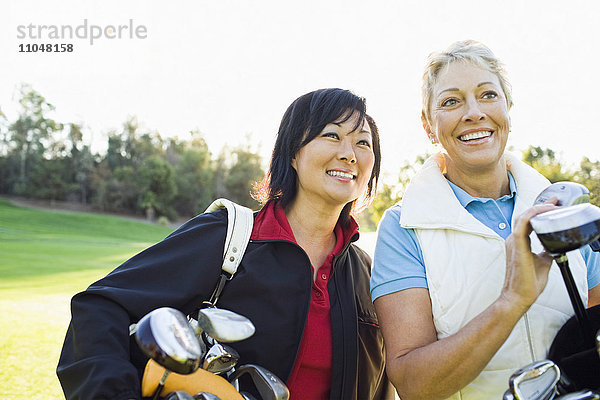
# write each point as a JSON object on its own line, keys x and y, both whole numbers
{"x": 302, "y": 282}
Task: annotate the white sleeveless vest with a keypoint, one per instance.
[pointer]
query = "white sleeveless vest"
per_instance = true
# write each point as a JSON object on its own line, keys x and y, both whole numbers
{"x": 465, "y": 263}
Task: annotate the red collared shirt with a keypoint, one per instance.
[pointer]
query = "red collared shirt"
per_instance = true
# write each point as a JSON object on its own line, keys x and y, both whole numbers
{"x": 311, "y": 375}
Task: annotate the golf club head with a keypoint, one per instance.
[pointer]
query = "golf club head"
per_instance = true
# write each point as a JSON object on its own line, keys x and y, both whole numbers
{"x": 206, "y": 396}
{"x": 178, "y": 395}
{"x": 165, "y": 336}
{"x": 567, "y": 193}
{"x": 224, "y": 325}
{"x": 269, "y": 386}
{"x": 220, "y": 358}
{"x": 568, "y": 228}
{"x": 536, "y": 381}
{"x": 581, "y": 395}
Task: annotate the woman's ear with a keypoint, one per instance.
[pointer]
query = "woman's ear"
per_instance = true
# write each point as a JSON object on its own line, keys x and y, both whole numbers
{"x": 294, "y": 164}
{"x": 428, "y": 130}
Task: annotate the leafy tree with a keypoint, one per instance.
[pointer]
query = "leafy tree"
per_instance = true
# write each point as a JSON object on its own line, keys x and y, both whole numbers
{"x": 589, "y": 175}
{"x": 121, "y": 191}
{"x": 115, "y": 153}
{"x": 50, "y": 179}
{"x": 158, "y": 188}
{"x": 194, "y": 177}
{"x": 387, "y": 196}
{"x": 245, "y": 170}
{"x": 4, "y": 139}
{"x": 391, "y": 193}
{"x": 5, "y": 167}
{"x": 81, "y": 164}
{"x": 546, "y": 163}
{"x": 27, "y": 137}
{"x": 130, "y": 147}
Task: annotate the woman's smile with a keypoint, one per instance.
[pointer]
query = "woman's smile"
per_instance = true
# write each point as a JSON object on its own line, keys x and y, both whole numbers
{"x": 476, "y": 136}
{"x": 342, "y": 175}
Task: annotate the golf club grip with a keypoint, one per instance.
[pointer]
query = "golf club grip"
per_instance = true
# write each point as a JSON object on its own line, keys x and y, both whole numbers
{"x": 199, "y": 381}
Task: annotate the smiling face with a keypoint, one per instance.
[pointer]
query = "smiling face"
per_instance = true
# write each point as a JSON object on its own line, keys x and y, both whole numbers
{"x": 335, "y": 167}
{"x": 469, "y": 116}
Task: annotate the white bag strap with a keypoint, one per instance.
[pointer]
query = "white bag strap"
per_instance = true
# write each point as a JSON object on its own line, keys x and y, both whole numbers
{"x": 240, "y": 220}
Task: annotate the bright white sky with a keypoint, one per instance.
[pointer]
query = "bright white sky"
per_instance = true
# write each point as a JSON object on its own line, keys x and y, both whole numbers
{"x": 230, "y": 68}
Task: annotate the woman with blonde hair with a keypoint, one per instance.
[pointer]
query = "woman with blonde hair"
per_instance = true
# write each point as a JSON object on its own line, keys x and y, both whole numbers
{"x": 463, "y": 291}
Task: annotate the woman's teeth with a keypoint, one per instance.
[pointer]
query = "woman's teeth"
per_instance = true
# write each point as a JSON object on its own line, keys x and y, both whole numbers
{"x": 475, "y": 135}
{"x": 341, "y": 174}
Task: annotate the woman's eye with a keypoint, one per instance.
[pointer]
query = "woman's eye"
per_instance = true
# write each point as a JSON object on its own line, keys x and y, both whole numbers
{"x": 331, "y": 135}
{"x": 490, "y": 95}
{"x": 449, "y": 102}
{"x": 364, "y": 143}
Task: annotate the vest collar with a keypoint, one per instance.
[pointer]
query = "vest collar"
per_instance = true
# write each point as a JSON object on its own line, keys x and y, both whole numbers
{"x": 429, "y": 193}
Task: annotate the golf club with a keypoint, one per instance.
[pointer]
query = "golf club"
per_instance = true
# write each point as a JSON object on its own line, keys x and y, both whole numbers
{"x": 206, "y": 396}
{"x": 566, "y": 193}
{"x": 269, "y": 386}
{"x": 178, "y": 395}
{"x": 220, "y": 358}
{"x": 536, "y": 381}
{"x": 223, "y": 325}
{"x": 566, "y": 229}
{"x": 165, "y": 336}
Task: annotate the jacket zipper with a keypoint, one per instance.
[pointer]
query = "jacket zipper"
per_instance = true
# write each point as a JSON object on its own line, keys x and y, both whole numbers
{"x": 337, "y": 290}
{"x": 529, "y": 337}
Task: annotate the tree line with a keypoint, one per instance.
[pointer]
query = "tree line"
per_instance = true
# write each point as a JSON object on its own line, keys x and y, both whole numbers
{"x": 140, "y": 173}
{"x": 145, "y": 174}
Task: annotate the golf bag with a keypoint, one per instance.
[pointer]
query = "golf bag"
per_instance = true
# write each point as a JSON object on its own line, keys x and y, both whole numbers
{"x": 570, "y": 350}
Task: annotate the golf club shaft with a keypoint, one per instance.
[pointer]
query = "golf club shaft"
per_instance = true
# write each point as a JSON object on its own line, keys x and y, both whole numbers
{"x": 580, "y": 314}
{"x": 161, "y": 385}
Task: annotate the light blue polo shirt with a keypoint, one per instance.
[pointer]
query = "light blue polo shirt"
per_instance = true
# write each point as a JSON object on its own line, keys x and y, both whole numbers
{"x": 398, "y": 262}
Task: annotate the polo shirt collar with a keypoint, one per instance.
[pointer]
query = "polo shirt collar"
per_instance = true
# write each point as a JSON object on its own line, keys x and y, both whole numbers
{"x": 271, "y": 224}
{"x": 465, "y": 198}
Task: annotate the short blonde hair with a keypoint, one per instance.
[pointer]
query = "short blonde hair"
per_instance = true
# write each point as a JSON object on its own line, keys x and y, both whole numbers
{"x": 466, "y": 50}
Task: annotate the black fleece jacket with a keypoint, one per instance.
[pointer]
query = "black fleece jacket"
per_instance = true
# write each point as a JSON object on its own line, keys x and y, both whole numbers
{"x": 272, "y": 287}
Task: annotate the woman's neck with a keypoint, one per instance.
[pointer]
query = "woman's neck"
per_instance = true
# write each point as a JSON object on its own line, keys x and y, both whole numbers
{"x": 491, "y": 182}
{"x": 312, "y": 223}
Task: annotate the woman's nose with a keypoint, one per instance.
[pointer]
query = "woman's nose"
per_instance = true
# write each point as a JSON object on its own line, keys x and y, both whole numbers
{"x": 346, "y": 152}
{"x": 473, "y": 112}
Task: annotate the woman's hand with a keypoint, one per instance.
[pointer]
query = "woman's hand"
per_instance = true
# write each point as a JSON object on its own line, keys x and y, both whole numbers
{"x": 526, "y": 272}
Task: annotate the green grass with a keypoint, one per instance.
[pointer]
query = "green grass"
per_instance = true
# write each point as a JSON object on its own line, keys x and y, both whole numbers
{"x": 45, "y": 258}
